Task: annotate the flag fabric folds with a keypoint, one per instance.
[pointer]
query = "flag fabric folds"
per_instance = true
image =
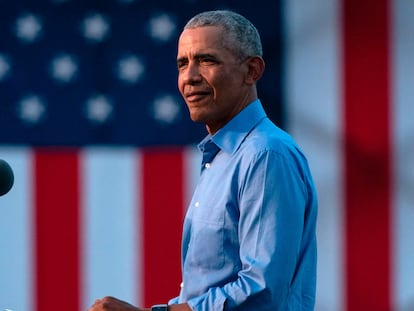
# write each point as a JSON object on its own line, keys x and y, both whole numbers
{"x": 349, "y": 101}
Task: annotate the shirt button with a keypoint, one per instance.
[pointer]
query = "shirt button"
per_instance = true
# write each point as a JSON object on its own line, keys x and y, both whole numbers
{"x": 207, "y": 165}
{"x": 197, "y": 204}
{"x": 182, "y": 284}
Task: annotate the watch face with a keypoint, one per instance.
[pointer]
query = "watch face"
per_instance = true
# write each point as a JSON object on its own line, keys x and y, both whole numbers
{"x": 159, "y": 308}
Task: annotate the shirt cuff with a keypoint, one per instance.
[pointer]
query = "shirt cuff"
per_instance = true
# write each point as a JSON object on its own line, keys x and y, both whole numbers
{"x": 212, "y": 300}
{"x": 173, "y": 301}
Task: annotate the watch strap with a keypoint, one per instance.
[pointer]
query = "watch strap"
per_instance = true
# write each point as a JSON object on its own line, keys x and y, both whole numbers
{"x": 162, "y": 307}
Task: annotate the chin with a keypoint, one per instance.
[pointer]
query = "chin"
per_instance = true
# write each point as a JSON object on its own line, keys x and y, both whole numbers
{"x": 196, "y": 115}
{"x": 195, "y": 119}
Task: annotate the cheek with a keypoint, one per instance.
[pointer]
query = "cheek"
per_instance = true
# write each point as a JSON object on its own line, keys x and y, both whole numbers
{"x": 180, "y": 85}
{"x": 220, "y": 80}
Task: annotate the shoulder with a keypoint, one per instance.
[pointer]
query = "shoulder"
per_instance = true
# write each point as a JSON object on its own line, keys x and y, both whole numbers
{"x": 272, "y": 153}
{"x": 266, "y": 137}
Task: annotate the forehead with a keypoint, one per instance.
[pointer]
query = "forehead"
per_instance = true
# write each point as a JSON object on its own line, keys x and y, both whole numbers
{"x": 200, "y": 39}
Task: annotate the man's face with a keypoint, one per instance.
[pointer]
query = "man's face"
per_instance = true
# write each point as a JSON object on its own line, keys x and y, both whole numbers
{"x": 210, "y": 78}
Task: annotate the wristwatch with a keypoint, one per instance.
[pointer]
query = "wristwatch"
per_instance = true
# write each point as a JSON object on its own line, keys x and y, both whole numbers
{"x": 159, "y": 308}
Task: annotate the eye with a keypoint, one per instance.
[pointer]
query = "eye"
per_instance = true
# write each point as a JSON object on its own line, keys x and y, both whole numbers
{"x": 181, "y": 63}
{"x": 208, "y": 61}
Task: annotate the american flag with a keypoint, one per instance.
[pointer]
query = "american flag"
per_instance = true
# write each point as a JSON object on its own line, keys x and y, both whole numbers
{"x": 103, "y": 153}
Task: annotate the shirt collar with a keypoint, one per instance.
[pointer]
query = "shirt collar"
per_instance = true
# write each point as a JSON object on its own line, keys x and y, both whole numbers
{"x": 230, "y": 137}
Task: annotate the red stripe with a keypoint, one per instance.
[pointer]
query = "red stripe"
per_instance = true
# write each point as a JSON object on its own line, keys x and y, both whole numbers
{"x": 367, "y": 153}
{"x": 56, "y": 195}
{"x": 163, "y": 199}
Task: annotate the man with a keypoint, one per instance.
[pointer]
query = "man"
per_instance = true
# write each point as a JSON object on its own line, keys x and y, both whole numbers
{"x": 249, "y": 234}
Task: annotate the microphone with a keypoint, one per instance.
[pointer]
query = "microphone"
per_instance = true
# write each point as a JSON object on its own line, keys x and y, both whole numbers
{"x": 6, "y": 177}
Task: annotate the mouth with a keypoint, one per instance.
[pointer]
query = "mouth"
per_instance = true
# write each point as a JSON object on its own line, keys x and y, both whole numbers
{"x": 196, "y": 95}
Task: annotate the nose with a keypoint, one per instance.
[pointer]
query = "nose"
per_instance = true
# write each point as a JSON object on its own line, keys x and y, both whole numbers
{"x": 191, "y": 74}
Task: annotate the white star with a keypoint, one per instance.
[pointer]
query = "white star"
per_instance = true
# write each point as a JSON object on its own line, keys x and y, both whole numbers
{"x": 130, "y": 69}
{"x": 95, "y": 27}
{"x": 162, "y": 27}
{"x": 28, "y": 28}
{"x": 166, "y": 109}
{"x": 99, "y": 109}
{"x": 4, "y": 67}
{"x": 32, "y": 109}
{"x": 63, "y": 68}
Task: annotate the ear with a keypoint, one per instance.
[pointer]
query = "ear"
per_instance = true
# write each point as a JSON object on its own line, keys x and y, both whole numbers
{"x": 256, "y": 66}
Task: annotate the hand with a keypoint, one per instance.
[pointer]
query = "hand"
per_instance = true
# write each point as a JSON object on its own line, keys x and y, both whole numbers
{"x": 113, "y": 304}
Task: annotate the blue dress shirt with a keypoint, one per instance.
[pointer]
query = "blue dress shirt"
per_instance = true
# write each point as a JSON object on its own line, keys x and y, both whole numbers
{"x": 249, "y": 238}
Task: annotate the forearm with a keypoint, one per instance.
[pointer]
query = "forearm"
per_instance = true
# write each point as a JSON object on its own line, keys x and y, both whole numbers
{"x": 114, "y": 304}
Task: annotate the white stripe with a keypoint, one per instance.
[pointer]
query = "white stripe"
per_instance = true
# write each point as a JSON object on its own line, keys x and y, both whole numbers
{"x": 403, "y": 42}
{"x": 139, "y": 223}
{"x": 313, "y": 107}
{"x": 111, "y": 244}
{"x": 16, "y": 233}
{"x": 192, "y": 166}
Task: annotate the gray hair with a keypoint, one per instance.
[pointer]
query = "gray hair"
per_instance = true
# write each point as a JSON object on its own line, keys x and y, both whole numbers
{"x": 243, "y": 37}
